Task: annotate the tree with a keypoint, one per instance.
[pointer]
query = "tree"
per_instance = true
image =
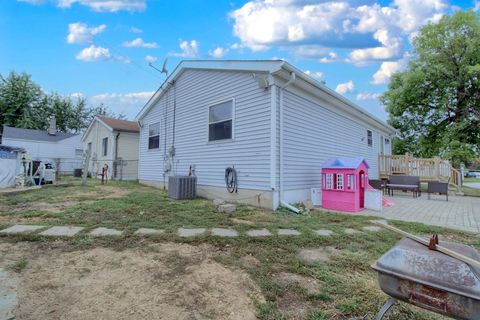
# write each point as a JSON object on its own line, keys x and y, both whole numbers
{"x": 435, "y": 102}
{"x": 23, "y": 104}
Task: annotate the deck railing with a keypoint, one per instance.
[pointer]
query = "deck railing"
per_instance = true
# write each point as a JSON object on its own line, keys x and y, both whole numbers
{"x": 426, "y": 168}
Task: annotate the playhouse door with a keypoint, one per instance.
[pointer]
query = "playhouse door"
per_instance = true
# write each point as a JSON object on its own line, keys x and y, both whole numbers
{"x": 361, "y": 188}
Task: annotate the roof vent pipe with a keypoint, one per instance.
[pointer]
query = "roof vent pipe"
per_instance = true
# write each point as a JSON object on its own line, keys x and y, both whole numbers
{"x": 52, "y": 126}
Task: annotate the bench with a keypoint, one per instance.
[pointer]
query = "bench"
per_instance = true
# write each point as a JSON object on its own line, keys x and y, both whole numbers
{"x": 378, "y": 184}
{"x": 404, "y": 183}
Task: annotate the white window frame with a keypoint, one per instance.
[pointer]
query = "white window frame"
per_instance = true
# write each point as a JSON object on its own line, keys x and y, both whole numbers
{"x": 328, "y": 181}
{"x": 233, "y": 121}
{"x": 370, "y": 141}
{"x": 105, "y": 147}
{"x": 350, "y": 182}
{"x": 340, "y": 183}
{"x": 149, "y": 136}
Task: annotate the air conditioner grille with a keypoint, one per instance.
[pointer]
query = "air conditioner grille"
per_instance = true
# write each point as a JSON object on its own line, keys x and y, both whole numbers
{"x": 182, "y": 187}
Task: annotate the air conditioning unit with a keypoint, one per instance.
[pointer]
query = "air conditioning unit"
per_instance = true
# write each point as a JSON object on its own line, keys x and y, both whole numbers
{"x": 182, "y": 187}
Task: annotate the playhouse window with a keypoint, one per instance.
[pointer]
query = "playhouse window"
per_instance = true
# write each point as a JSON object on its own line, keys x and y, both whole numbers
{"x": 329, "y": 181}
{"x": 350, "y": 182}
{"x": 339, "y": 182}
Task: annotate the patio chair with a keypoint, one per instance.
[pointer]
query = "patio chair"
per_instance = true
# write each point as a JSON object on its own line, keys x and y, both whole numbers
{"x": 437, "y": 187}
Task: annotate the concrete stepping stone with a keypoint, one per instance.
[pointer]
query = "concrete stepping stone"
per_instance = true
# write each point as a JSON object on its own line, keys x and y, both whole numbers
{"x": 288, "y": 232}
{"x": 258, "y": 233}
{"x": 8, "y": 296}
{"x": 351, "y": 231}
{"x": 101, "y": 232}
{"x": 183, "y": 232}
{"x": 61, "y": 231}
{"x": 223, "y": 232}
{"x": 372, "y": 228}
{"x": 323, "y": 232}
{"x": 148, "y": 231}
{"x": 21, "y": 228}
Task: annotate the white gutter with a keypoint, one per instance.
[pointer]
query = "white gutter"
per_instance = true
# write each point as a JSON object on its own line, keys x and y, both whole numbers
{"x": 284, "y": 203}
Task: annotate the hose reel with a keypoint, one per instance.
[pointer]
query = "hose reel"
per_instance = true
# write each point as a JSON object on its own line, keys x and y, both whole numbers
{"x": 231, "y": 179}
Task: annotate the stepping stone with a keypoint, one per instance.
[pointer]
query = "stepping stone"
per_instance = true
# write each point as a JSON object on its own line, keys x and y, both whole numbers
{"x": 21, "y": 228}
{"x": 227, "y": 208}
{"x": 323, "y": 232}
{"x": 182, "y": 232}
{"x": 100, "y": 232}
{"x": 351, "y": 231}
{"x": 62, "y": 231}
{"x": 288, "y": 232}
{"x": 222, "y": 232}
{"x": 148, "y": 231}
{"x": 8, "y": 296}
{"x": 258, "y": 233}
{"x": 372, "y": 228}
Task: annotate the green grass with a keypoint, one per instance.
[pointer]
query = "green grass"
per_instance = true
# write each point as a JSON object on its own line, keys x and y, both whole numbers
{"x": 469, "y": 179}
{"x": 18, "y": 266}
{"x": 348, "y": 285}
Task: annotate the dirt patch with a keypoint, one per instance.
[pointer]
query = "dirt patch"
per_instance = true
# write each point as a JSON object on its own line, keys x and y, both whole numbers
{"x": 250, "y": 261}
{"x": 161, "y": 281}
{"x": 286, "y": 279}
{"x": 314, "y": 255}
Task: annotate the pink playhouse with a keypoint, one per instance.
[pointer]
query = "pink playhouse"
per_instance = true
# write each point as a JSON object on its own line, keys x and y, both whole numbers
{"x": 343, "y": 184}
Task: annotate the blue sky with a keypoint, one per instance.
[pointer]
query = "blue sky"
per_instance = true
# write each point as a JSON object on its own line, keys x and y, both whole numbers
{"x": 100, "y": 48}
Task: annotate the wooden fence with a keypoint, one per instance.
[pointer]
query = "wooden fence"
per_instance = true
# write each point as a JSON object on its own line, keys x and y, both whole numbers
{"x": 427, "y": 169}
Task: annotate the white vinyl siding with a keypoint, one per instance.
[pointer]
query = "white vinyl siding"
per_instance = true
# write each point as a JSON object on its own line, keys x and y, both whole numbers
{"x": 314, "y": 134}
{"x": 196, "y": 90}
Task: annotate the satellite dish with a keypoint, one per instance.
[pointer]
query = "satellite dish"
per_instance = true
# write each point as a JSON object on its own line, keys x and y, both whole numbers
{"x": 164, "y": 67}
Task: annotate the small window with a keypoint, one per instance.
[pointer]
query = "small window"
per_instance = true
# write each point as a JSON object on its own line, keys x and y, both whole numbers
{"x": 387, "y": 141}
{"x": 369, "y": 138}
{"x": 104, "y": 146}
{"x": 89, "y": 147}
{"x": 78, "y": 152}
{"x": 220, "y": 121}
{"x": 350, "y": 182}
{"x": 154, "y": 136}
{"x": 329, "y": 181}
{"x": 339, "y": 182}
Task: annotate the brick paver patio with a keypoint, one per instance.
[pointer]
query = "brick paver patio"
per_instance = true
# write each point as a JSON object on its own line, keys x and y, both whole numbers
{"x": 461, "y": 213}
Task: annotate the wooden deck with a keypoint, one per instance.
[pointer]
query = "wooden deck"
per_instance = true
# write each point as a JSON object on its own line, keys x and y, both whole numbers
{"x": 427, "y": 169}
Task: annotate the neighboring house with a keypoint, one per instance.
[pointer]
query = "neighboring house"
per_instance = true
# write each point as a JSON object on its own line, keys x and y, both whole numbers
{"x": 270, "y": 121}
{"x": 115, "y": 143}
{"x": 58, "y": 148}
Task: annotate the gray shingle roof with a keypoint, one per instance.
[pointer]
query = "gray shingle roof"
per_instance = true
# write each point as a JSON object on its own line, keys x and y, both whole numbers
{"x": 36, "y": 135}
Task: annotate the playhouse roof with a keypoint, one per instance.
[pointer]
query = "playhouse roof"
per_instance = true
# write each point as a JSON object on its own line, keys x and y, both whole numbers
{"x": 344, "y": 163}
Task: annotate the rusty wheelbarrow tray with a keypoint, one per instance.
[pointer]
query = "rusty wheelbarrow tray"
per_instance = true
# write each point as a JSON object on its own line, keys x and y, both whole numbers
{"x": 430, "y": 279}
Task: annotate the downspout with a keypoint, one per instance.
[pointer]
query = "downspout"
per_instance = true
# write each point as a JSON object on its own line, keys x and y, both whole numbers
{"x": 116, "y": 154}
{"x": 282, "y": 201}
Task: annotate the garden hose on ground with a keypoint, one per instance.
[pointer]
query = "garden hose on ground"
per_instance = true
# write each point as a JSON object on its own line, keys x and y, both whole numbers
{"x": 231, "y": 179}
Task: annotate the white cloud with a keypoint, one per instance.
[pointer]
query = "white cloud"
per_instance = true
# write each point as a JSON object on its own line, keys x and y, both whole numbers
{"x": 314, "y": 74}
{"x": 346, "y": 87}
{"x": 124, "y": 103}
{"x": 136, "y": 30}
{"x": 139, "y": 43}
{"x": 80, "y": 33}
{"x": 387, "y": 68}
{"x": 106, "y": 5}
{"x": 218, "y": 53}
{"x": 331, "y": 57}
{"x": 151, "y": 59}
{"x": 308, "y": 28}
{"x": 94, "y": 53}
{"x": 368, "y": 96}
{"x": 189, "y": 49}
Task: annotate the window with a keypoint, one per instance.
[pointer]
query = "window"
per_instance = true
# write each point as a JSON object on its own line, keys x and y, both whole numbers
{"x": 387, "y": 141}
{"x": 339, "y": 182}
{"x": 154, "y": 136}
{"x": 369, "y": 138}
{"x": 350, "y": 182}
{"x": 329, "y": 181}
{"x": 78, "y": 152}
{"x": 382, "y": 145}
{"x": 220, "y": 121}
{"x": 104, "y": 146}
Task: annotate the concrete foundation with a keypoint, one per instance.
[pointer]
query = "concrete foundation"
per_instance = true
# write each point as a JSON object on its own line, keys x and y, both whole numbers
{"x": 253, "y": 197}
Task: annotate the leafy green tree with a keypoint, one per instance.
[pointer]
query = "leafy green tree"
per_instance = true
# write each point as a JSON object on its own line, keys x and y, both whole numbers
{"x": 435, "y": 102}
{"x": 23, "y": 104}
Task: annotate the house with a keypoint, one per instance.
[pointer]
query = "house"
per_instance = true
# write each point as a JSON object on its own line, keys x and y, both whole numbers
{"x": 10, "y": 165}
{"x": 114, "y": 143}
{"x": 268, "y": 120}
{"x": 63, "y": 150}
